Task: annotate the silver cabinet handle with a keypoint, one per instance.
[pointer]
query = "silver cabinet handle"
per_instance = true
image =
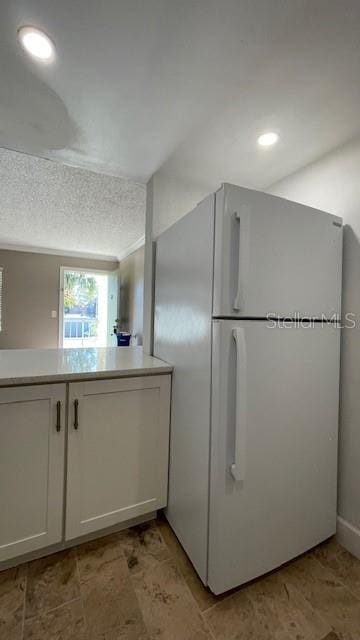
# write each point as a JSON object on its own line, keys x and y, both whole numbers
{"x": 76, "y": 414}
{"x": 238, "y": 467}
{"x": 58, "y": 416}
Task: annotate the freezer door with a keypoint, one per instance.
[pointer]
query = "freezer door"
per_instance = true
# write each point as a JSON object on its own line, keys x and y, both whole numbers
{"x": 274, "y": 256}
{"x": 273, "y": 446}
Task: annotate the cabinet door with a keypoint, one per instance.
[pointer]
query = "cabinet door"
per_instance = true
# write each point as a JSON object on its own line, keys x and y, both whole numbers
{"x": 32, "y": 426}
{"x": 117, "y": 451}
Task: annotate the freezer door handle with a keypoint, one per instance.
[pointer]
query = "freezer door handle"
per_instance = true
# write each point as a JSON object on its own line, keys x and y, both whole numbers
{"x": 238, "y": 467}
{"x": 237, "y": 301}
{"x": 243, "y": 219}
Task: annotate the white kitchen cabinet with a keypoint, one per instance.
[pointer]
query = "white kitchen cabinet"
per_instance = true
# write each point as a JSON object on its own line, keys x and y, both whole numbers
{"x": 118, "y": 440}
{"x": 32, "y": 439}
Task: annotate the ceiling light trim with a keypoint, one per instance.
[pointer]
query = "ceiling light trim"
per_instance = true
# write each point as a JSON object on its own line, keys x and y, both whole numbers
{"x": 268, "y": 139}
{"x": 36, "y": 44}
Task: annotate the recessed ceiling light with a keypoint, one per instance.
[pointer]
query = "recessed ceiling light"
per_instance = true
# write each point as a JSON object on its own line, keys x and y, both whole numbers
{"x": 268, "y": 139}
{"x": 36, "y": 43}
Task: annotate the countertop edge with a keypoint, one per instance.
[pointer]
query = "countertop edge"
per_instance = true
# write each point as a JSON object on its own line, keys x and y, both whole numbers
{"x": 85, "y": 376}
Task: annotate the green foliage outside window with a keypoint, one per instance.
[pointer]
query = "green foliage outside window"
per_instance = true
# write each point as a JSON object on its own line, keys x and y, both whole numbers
{"x": 80, "y": 290}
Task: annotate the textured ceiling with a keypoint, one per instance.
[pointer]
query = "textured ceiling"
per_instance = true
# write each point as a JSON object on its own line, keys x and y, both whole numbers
{"x": 47, "y": 205}
{"x": 135, "y": 80}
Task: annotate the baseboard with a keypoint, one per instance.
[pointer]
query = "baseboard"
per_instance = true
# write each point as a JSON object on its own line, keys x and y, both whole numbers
{"x": 348, "y": 536}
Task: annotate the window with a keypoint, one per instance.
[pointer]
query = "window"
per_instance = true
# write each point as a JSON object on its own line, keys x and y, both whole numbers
{"x": 88, "y": 308}
{"x": 1, "y": 281}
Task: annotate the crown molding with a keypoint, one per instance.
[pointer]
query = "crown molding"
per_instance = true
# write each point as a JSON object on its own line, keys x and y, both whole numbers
{"x": 57, "y": 252}
{"x": 133, "y": 247}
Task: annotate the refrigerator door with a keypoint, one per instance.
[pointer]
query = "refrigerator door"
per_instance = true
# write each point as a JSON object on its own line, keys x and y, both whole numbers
{"x": 273, "y": 256}
{"x": 273, "y": 446}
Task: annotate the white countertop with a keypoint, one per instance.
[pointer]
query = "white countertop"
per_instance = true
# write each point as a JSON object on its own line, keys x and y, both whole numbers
{"x": 29, "y": 366}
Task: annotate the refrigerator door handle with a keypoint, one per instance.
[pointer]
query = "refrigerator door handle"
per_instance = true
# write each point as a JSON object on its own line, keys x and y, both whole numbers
{"x": 242, "y": 217}
{"x": 237, "y": 301}
{"x": 238, "y": 467}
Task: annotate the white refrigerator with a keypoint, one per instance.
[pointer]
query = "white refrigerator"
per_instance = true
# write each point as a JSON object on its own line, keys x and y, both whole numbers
{"x": 254, "y": 424}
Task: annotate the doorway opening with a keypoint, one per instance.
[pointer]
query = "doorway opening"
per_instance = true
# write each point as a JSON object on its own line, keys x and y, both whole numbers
{"x": 88, "y": 308}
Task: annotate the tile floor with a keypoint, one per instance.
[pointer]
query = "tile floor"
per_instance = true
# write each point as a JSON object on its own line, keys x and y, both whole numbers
{"x": 139, "y": 585}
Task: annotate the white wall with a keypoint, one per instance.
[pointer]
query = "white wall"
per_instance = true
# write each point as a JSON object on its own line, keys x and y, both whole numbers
{"x": 333, "y": 183}
{"x": 167, "y": 200}
{"x": 174, "y": 198}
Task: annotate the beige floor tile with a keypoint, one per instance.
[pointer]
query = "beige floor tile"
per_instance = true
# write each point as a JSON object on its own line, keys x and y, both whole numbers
{"x": 342, "y": 563}
{"x": 140, "y": 585}
{"x": 268, "y": 609}
{"x": 92, "y": 556}
{"x": 203, "y": 596}
{"x": 327, "y": 549}
{"x": 110, "y": 604}
{"x": 143, "y": 546}
{"x": 64, "y": 623}
{"x": 235, "y": 619}
{"x": 327, "y": 595}
{"x": 111, "y": 608}
{"x": 283, "y": 609}
{"x": 51, "y": 582}
{"x": 168, "y": 608}
{"x": 12, "y": 602}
